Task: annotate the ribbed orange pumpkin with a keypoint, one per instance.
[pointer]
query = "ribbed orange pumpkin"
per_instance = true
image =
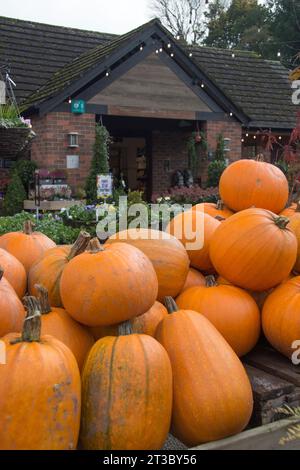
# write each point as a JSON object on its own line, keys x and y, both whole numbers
{"x": 168, "y": 256}
{"x": 12, "y": 312}
{"x": 253, "y": 249}
{"x": 293, "y": 209}
{"x": 230, "y": 309}
{"x": 194, "y": 278}
{"x": 212, "y": 396}
{"x": 14, "y": 272}
{"x": 218, "y": 210}
{"x": 48, "y": 270}
{"x": 280, "y": 317}
{"x": 56, "y": 322}
{"x": 127, "y": 394}
{"x": 27, "y": 246}
{"x": 294, "y": 225}
{"x": 195, "y": 230}
{"x": 108, "y": 284}
{"x": 248, "y": 183}
{"x": 40, "y": 390}
{"x": 143, "y": 324}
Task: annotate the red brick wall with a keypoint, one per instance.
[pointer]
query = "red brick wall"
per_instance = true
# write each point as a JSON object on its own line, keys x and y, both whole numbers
{"x": 167, "y": 145}
{"x": 50, "y": 147}
{"x": 229, "y": 129}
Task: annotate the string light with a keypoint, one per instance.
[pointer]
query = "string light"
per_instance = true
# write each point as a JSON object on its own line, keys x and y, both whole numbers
{"x": 70, "y": 100}
{"x": 233, "y": 55}
{"x": 160, "y": 49}
{"x": 178, "y": 37}
{"x": 247, "y": 135}
{"x": 280, "y": 137}
{"x": 172, "y": 55}
{"x": 141, "y": 48}
{"x": 157, "y": 51}
{"x": 254, "y": 137}
{"x": 107, "y": 73}
{"x": 190, "y": 54}
{"x": 169, "y": 45}
{"x": 230, "y": 114}
{"x": 202, "y": 85}
{"x": 278, "y": 54}
{"x": 242, "y": 140}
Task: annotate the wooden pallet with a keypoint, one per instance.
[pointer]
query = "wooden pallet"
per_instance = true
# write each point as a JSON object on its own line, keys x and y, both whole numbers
{"x": 275, "y": 382}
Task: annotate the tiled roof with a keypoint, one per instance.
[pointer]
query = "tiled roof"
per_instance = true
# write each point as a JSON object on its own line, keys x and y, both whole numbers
{"x": 44, "y": 59}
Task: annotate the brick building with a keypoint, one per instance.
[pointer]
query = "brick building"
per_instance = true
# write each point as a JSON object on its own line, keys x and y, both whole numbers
{"x": 150, "y": 90}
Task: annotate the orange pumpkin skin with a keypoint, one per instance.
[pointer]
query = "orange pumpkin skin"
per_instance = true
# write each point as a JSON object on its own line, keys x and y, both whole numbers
{"x": 254, "y": 250}
{"x": 28, "y": 247}
{"x": 143, "y": 324}
{"x": 43, "y": 373}
{"x": 211, "y": 399}
{"x": 108, "y": 286}
{"x": 194, "y": 278}
{"x": 248, "y": 183}
{"x": 12, "y": 312}
{"x": 214, "y": 210}
{"x": 48, "y": 270}
{"x": 126, "y": 394}
{"x": 230, "y": 309}
{"x": 294, "y": 225}
{"x": 14, "y": 272}
{"x": 168, "y": 256}
{"x": 293, "y": 209}
{"x": 280, "y": 316}
{"x": 184, "y": 226}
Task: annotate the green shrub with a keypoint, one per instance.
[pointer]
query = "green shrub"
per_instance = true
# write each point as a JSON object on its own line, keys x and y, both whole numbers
{"x": 215, "y": 170}
{"x": 99, "y": 163}
{"x": 15, "y": 195}
{"x": 25, "y": 170}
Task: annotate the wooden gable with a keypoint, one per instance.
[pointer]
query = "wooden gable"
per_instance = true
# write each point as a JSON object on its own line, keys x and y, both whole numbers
{"x": 150, "y": 89}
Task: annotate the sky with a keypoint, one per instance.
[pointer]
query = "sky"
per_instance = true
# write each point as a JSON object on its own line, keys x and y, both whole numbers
{"x": 109, "y": 16}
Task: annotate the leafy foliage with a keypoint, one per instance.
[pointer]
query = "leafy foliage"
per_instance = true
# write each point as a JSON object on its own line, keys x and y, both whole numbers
{"x": 215, "y": 170}
{"x": 100, "y": 162}
{"x": 15, "y": 195}
{"x": 25, "y": 170}
{"x": 220, "y": 150}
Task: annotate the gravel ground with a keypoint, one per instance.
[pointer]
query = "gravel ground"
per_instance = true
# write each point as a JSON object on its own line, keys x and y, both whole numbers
{"x": 173, "y": 444}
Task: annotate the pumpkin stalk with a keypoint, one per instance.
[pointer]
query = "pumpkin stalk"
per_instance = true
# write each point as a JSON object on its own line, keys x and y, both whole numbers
{"x": 170, "y": 304}
{"x": 298, "y": 206}
{"x": 32, "y": 324}
{"x": 43, "y": 298}
{"x": 220, "y": 205}
{"x": 80, "y": 245}
{"x": 28, "y": 227}
{"x": 94, "y": 246}
{"x": 1, "y": 273}
{"x": 210, "y": 281}
{"x": 125, "y": 328}
{"x": 281, "y": 222}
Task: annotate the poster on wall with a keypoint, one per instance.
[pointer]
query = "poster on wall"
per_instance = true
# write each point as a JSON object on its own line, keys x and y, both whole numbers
{"x": 104, "y": 186}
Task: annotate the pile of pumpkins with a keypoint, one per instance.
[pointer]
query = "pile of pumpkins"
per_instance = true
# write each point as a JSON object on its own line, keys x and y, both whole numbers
{"x": 100, "y": 355}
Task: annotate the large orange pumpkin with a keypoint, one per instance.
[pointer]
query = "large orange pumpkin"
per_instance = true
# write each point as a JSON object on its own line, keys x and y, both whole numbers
{"x": 254, "y": 249}
{"x": 293, "y": 209}
{"x": 14, "y": 272}
{"x": 248, "y": 183}
{"x": 212, "y": 396}
{"x": 12, "y": 312}
{"x": 230, "y": 309}
{"x": 108, "y": 284}
{"x": 127, "y": 394}
{"x": 195, "y": 230}
{"x": 40, "y": 390}
{"x": 48, "y": 270}
{"x": 281, "y": 319}
{"x": 194, "y": 278}
{"x": 294, "y": 225}
{"x": 56, "y": 322}
{"x": 218, "y": 210}
{"x": 27, "y": 246}
{"x": 168, "y": 256}
{"x": 143, "y": 324}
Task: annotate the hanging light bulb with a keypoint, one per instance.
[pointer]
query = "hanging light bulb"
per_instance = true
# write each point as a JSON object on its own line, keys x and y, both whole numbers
{"x": 280, "y": 137}
{"x": 230, "y": 114}
{"x": 278, "y": 54}
{"x": 247, "y": 135}
{"x": 254, "y": 137}
{"x": 141, "y": 47}
{"x": 160, "y": 49}
{"x": 202, "y": 85}
{"x": 172, "y": 55}
{"x": 169, "y": 45}
{"x": 190, "y": 54}
{"x": 233, "y": 55}
{"x": 242, "y": 140}
{"x": 157, "y": 51}
{"x": 70, "y": 100}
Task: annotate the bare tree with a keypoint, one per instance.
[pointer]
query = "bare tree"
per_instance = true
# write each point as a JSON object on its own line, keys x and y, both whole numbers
{"x": 184, "y": 18}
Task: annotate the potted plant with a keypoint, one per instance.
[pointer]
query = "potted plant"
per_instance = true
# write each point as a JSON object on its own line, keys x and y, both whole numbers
{"x": 15, "y": 131}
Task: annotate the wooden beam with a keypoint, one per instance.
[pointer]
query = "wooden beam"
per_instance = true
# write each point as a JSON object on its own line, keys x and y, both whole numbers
{"x": 132, "y": 111}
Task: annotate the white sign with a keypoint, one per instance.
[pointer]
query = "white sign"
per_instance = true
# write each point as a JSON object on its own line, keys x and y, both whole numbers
{"x": 72, "y": 162}
{"x": 2, "y": 92}
{"x": 104, "y": 185}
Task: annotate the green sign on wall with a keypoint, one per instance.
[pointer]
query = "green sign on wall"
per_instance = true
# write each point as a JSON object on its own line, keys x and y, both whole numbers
{"x": 78, "y": 106}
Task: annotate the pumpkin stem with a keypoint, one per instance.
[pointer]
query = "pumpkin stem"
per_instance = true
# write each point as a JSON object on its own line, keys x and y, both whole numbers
{"x": 43, "y": 298}
{"x": 94, "y": 246}
{"x": 32, "y": 323}
{"x": 80, "y": 245}
{"x": 281, "y": 221}
{"x": 210, "y": 281}
{"x": 298, "y": 206}
{"x": 28, "y": 227}
{"x": 125, "y": 328}
{"x": 170, "y": 304}
{"x": 260, "y": 157}
{"x": 1, "y": 273}
{"x": 220, "y": 205}
{"x": 219, "y": 218}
